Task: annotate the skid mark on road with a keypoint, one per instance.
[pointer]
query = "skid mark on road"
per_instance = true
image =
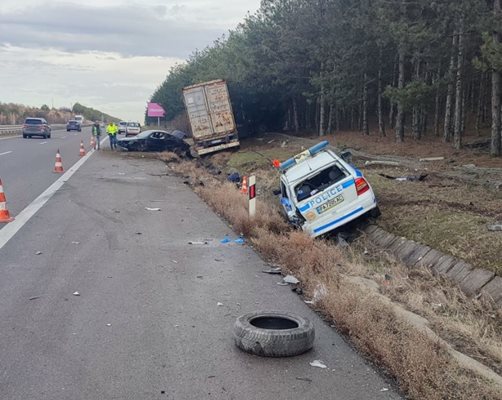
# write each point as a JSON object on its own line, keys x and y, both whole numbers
{"x": 9, "y": 230}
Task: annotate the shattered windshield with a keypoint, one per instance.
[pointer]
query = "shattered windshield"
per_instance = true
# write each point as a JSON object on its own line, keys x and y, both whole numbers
{"x": 317, "y": 183}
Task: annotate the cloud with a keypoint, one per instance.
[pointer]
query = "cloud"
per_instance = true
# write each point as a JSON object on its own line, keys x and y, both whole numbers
{"x": 129, "y": 28}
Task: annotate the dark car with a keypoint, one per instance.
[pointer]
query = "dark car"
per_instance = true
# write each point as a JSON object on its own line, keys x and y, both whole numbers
{"x": 73, "y": 125}
{"x": 155, "y": 140}
{"x": 36, "y": 127}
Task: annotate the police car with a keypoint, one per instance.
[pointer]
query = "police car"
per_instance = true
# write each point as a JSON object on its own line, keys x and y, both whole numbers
{"x": 320, "y": 191}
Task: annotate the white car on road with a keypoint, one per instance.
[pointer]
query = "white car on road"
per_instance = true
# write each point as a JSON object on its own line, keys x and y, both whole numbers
{"x": 320, "y": 191}
{"x": 132, "y": 128}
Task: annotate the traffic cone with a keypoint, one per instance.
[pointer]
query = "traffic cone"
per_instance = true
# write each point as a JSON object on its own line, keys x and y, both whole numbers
{"x": 244, "y": 185}
{"x": 4, "y": 213}
{"x": 93, "y": 143}
{"x": 82, "y": 150}
{"x": 58, "y": 166}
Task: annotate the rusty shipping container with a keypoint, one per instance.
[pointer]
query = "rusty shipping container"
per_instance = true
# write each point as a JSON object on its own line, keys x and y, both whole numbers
{"x": 211, "y": 118}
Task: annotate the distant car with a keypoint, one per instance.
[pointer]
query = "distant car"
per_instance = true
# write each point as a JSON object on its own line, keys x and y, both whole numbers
{"x": 155, "y": 140}
{"x": 36, "y": 127}
{"x": 122, "y": 127}
{"x": 132, "y": 128}
{"x": 73, "y": 125}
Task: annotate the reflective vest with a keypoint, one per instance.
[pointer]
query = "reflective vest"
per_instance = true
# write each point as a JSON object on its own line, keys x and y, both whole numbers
{"x": 112, "y": 129}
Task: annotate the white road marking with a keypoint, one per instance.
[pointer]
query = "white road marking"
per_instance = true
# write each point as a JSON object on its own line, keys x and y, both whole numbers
{"x": 9, "y": 230}
{"x": 6, "y": 152}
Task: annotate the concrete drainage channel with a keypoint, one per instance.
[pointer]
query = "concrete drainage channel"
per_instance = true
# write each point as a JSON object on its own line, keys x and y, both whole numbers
{"x": 472, "y": 281}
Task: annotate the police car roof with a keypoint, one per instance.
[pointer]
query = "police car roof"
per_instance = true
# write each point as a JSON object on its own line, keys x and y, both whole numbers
{"x": 319, "y": 161}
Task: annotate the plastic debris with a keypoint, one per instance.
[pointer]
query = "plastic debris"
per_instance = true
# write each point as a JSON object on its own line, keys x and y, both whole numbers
{"x": 75, "y": 242}
{"x": 318, "y": 364}
{"x": 272, "y": 271}
{"x": 410, "y": 178}
{"x": 291, "y": 280}
{"x": 297, "y": 290}
{"x": 38, "y": 253}
{"x": 34, "y": 298}
{"x": 234, "y": 177}
{"x": 341, "y": 241}
{"x": 219, "y": 304}
{"x": 197, "y": 243}
{"x": 240, "y": 240}
{"x": 76, "y": 293}
{"x": 282, "y": 283}
{"x": 225, "y": 240}
{"x": 384, "y": 389}
{"x": 320, "y": 292}
{"x": 495, "y": 227}
{"x": 304, "y": 379}
{"x": 308, "y": 302}
{"x": 152, "y": 209}
{"x": 108, "y": 324}
{"x": 431, "y": 159}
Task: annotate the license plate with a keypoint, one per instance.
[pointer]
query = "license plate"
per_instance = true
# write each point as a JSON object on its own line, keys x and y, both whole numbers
{"x": 329, "y": 204}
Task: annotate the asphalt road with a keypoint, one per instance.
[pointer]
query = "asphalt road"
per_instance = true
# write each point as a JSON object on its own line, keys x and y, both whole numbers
{"x": 147, "y": 324}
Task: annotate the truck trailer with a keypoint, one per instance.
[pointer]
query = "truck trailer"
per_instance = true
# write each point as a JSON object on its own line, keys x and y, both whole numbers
{"x": 211, "y": 118}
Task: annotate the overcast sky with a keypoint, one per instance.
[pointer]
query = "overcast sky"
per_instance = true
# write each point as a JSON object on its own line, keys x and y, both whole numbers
{"x": 106, "y": 54}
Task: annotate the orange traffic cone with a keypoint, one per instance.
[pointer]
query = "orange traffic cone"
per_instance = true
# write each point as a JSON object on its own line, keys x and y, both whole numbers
{"x": 58, "y": 166}
{"x": 82, "y": 150}
{"x": 4, "y": 213}
{"x": 244, "y": 185}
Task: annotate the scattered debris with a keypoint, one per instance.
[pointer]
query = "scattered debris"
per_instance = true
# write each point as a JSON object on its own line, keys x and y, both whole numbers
{"x": 284, "y": 144}
{"x": 410, "y": 178}
{"x": 76, "y": 294}
{"x": 197, "y": 243}
{"x": 152, "y": 209}
{"x": 377, "y": 162}
{"x": 318, "y": 364}
{"x": 431, "y": 159}
{"x": 341, "y": 241}
{"x": 384, "y": 389}
{"x": 304, "y": 379}
{"x": 34, "y": 297}
{"x": 225, "y": 240}
{"x": 174, "y": 261}
{"x": 38, "y": 253}
{"x": 108, "y": 324}
{"x": 234, "y": 177}
{"x": 219, "y": 304}
{"x": 282, "y": 283}
{"x": 139, "y": 233}
{"x": 272, "y": 271}
{"x": 271, "y": 141}
{"x": 320, "y": 292}
{"x": 297, "y": 290}
{"x": 200, "y": 277}
{"x": 240, "y": 240}
{"x": 308, "y": 302}
{"x": 75, "y": 242}
{"x": 218, "y": 260}
{"x": 497, "y": 226}
{"x": 291, "y": 280}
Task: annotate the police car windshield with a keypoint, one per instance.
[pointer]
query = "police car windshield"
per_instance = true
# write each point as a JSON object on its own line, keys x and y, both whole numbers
{"x": 317, "y": 183}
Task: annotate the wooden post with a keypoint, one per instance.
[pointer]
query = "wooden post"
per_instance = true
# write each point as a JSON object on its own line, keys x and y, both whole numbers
{"x": 252, "y": 196}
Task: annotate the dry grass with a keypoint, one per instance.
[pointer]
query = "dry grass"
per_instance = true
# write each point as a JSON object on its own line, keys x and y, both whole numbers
{"x": 423, "y": 368}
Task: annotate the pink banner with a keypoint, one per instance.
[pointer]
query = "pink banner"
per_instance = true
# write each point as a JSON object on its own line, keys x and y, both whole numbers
{"x": 155, "y": 110}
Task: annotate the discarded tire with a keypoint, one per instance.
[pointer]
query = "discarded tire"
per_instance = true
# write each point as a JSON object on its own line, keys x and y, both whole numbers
{"x": 273, "y": 334}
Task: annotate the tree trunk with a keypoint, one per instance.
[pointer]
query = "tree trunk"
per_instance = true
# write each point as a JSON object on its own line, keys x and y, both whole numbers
{"x": 295, "y": 117}
{"x": 330, "y": 119}
{"x": 337, "y": 122}
{"x": 415, "y": 122}
{"x": 437, "y": 102}
{"x": 366, "y": 130}
{"x": 457, "y": 134}
{"x": 496, "y": 145}
{"x": 392, "y": 103}
{"x": 400, "y": 106}
{"x": 449, "y": 95}
{"x": 479, "y": 109}
{"x": 381, "y": 122}
{"x": 322, "y": 105}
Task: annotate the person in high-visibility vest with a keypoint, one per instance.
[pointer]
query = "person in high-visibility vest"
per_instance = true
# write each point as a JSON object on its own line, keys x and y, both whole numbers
{"x": 96, "y": 132}
{"x": 112, "y": 131}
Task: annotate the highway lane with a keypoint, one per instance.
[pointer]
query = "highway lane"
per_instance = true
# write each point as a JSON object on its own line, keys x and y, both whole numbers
{"x": 26, "y": 165}
{"x": 154, "y": 316}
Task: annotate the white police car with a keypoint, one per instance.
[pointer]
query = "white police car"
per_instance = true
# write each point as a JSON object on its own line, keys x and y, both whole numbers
{"x": 320, "y": 191}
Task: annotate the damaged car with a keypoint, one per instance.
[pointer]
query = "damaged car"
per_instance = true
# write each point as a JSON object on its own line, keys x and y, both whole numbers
{"x": 320, "y": 191}
{"x": 155, "y": 140}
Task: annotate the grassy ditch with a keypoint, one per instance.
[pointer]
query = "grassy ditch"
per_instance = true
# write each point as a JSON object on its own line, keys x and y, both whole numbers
{"x": 423, "y": 367}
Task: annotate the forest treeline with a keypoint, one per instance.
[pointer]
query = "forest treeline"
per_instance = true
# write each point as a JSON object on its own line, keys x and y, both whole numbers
{"x": 15, "y": 114}
{"x": 405, "y": 67}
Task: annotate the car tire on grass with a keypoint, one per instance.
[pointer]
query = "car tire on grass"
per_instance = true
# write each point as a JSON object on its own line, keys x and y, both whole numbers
{"x": 273, "y": 334}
